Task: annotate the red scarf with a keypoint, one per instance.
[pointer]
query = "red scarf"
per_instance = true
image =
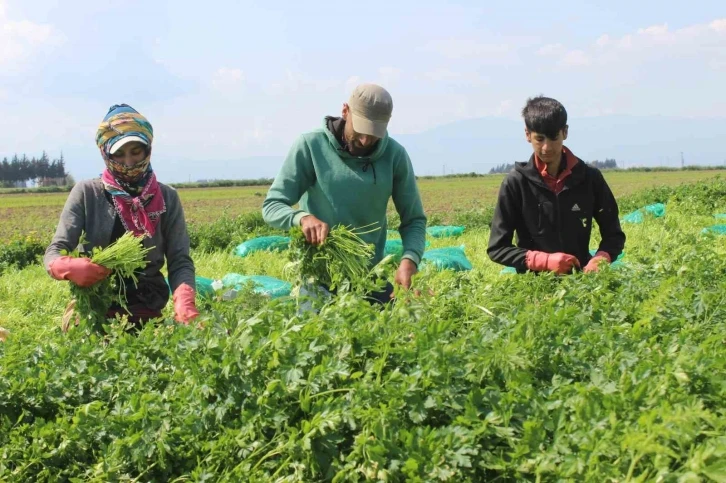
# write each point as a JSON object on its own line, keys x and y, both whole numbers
{"x": 139, "y": 214}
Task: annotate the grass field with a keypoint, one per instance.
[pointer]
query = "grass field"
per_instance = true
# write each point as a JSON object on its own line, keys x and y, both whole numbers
{"x": 616, "y": 376}
{"x": 23, "y": 213}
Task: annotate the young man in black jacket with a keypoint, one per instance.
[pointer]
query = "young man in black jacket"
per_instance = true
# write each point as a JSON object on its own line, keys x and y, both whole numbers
{"x": 550, "y": 202}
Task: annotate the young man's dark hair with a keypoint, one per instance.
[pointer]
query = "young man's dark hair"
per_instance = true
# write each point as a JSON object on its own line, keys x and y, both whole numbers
{"x": 549, "y": 203}
{"x": 544, "y": 115}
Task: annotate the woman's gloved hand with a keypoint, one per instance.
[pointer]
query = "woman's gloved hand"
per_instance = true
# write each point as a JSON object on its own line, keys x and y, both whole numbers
{"x": 185, "y": 308}
{"x": 81, "y": 271}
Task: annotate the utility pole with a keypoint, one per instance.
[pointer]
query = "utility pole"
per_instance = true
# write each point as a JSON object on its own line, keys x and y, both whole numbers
{"x": 683, "y": 163}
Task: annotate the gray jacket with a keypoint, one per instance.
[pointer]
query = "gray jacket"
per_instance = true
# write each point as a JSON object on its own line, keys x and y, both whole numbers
{"x": 87, "y": 209}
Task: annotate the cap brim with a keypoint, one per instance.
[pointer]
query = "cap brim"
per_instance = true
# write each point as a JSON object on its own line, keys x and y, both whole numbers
{"x": 361, "y": 125}
{"x": 128, "y": 139}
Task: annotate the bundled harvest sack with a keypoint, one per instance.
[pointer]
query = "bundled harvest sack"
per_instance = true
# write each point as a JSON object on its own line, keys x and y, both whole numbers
{"x": 448, "y": 258}
{"x": 263, "y": 243}
{"x": 656, "y": 210}
{"x": 395, "y": 248}
{"x": 445, "y": 231}
{"x": 204, "y": 285}
{"x": 263, "y": 284}
{"x": 715, "y": 229}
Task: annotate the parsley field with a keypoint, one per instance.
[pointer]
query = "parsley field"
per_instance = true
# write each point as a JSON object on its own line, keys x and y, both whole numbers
{"x": 617, "y": 376}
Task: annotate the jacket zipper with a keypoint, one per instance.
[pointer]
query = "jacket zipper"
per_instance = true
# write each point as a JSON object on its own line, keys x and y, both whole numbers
{"x": 559, "y": 221}
{"x": 559, "y": 218}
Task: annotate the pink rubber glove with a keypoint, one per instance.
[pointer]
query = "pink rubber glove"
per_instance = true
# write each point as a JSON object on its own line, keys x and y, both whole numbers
{"x": 560, "y": 263}
{"x": 185, "y": 310}
{"x": 594, "y": 264}
{"x": 81, "y": 271}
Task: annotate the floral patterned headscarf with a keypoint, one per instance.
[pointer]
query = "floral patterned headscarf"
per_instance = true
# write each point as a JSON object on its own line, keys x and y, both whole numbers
{"x": 135, "y": 192}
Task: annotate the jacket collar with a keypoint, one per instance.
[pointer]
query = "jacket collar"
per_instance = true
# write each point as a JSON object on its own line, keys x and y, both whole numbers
{"x": 530, "y": 171}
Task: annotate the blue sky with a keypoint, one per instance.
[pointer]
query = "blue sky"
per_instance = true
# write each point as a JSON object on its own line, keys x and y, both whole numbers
{"x": 224, "y": 80}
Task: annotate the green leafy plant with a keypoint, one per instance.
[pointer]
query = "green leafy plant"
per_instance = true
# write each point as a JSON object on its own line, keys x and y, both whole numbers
{"x": 21, "y": 251}
{"x": 343, "y": 257}
{"x": 614, "y": 376}
{"x": 124, "y": 258}
{"x": 226, "y": 231}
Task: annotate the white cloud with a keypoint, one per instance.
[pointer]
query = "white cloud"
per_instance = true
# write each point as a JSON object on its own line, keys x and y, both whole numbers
{"x": 551, "y": 49}
{"x": 294, "y": 82}
{"x": 227, "y": 77}
{"x": 504, "y": 107}
{"x": 700, "y": 42}
{"x": 603, "y": 40}
{"x": 464, "y": 48}
{"x": 692, "y": 38}
{"x": 654, "y": 30}
{"x": 21, "y": 39}
{"x": 718, "y": 25}
{"x": 439, "y": 75}
{"x": 568, "y": 58}
{"x": 31, "y": 33}
{"x": 489, "y": 108}
{"x": 447, "y": 76}
{"x": 625, "y": 42}
{"x": 575, "y": 58}
{"x": 351, "y": 83}
{"x": 389, "y": 75}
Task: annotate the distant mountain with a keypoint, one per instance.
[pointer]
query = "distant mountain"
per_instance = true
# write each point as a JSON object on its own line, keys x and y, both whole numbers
{"x": 477, "y": 145}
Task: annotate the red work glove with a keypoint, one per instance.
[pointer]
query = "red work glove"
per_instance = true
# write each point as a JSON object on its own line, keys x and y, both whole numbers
{"x": 560, "y": 263}
{"x": 81, "y": 271}
{"x": 184, "y": 307}
{"x": 594, "y": 264}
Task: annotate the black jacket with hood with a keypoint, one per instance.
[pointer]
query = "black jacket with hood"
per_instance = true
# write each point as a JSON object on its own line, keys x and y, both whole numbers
{"x": 549, "y": 222}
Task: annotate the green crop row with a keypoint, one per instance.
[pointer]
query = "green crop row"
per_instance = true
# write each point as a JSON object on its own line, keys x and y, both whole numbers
{"x": 616, "y": 376}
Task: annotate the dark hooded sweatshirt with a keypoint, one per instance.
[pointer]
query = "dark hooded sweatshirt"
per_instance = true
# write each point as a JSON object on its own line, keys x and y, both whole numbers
{"x": 549, "y": 222}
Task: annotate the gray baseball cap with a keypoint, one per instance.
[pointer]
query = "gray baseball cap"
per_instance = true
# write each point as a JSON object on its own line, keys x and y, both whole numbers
{"x": 370, "y": 108}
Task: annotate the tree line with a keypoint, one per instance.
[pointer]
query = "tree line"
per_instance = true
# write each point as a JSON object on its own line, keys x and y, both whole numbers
{"x": 507, "y": 167}
{"x": 41, "y": 171}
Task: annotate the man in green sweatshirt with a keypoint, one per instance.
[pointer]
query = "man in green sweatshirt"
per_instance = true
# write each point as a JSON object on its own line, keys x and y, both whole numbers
{"x": 344, "y": 173}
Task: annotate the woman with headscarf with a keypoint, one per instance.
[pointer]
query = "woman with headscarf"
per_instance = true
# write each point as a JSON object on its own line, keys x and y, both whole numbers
{"x": 127, "y": 197}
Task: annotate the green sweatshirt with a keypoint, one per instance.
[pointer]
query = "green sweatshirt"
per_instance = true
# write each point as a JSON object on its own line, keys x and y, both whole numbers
{"x": 341, "y": 189}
